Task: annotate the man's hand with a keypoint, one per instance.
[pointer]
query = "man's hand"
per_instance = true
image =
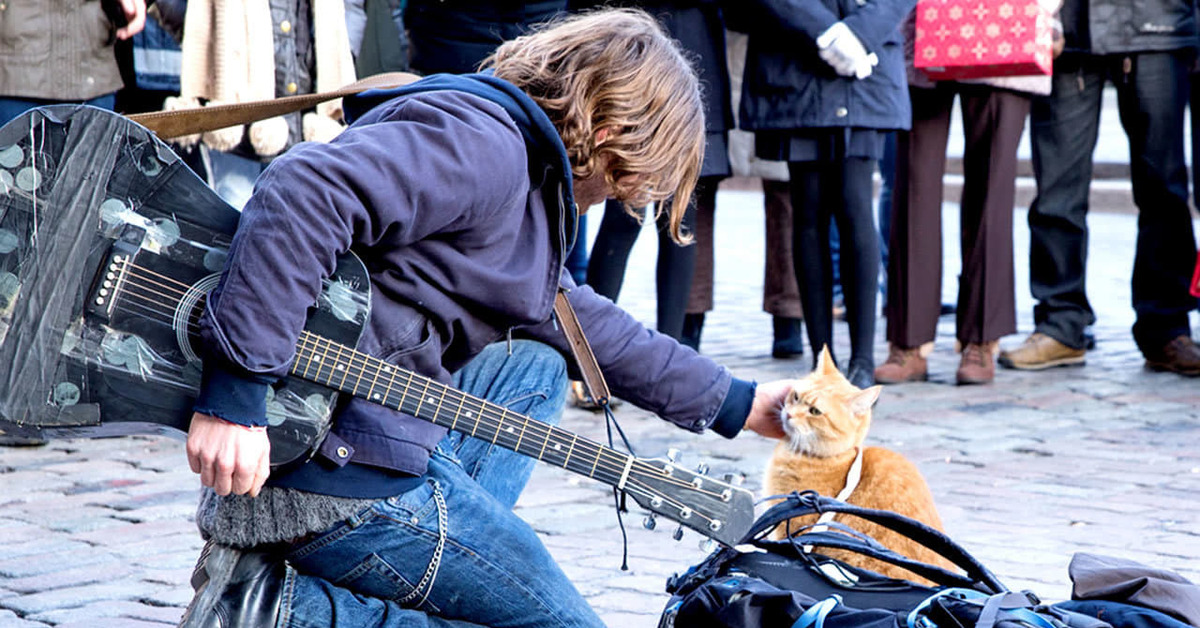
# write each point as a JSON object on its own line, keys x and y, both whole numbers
{"x": 135, "y": 18}
{"x": 766, "y": 412}
{"x": 230, "y": 458}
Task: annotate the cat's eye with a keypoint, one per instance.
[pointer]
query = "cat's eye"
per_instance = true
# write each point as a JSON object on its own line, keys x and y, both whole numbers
{"x": 813, "y": 410}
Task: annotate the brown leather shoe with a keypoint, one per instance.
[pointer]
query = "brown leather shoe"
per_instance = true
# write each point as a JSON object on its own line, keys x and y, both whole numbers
{"x": 978, "y": 364}
{"x": 1181, "y": 355}
{"x": 902, "y": 365}
{"x": 1040, "y": 351}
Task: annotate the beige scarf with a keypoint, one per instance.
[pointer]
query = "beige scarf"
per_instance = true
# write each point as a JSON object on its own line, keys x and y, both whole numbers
{"x": 229, "y": 57}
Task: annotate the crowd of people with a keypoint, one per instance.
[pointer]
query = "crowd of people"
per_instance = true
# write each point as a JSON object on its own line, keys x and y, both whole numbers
{"x": 633, "y": 109}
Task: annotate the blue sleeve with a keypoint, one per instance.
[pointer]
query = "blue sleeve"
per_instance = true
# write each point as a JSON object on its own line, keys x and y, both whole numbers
{"x": 877, "y": 20}
{"x": 646, "y": 368}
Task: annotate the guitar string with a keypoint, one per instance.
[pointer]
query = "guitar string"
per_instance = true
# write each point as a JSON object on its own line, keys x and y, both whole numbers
{"x": 634, "y": 482}
{"x": 477, "y": 404}
{"x": 538, "y": 426}
{"x": 545, "y": 430}
{"x": 539, "y": 429}
{"x": 633, "y": 485}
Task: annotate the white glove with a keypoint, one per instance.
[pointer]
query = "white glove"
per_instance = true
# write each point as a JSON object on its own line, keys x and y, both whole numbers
{"x": 842, "y": 50}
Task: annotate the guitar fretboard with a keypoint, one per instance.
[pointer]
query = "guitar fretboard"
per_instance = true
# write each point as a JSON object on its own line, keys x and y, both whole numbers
{"x": 350, "y": 371}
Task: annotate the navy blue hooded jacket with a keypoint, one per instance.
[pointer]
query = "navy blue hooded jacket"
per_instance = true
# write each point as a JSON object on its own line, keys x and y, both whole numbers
{"x": 456, "y": 194}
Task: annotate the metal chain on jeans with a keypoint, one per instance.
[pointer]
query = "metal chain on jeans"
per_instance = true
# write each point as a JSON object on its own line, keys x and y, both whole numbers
{"x": 426, "y": 582}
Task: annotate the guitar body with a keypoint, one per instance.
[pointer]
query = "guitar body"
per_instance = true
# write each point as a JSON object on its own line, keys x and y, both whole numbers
{"x": 108, "y": 246}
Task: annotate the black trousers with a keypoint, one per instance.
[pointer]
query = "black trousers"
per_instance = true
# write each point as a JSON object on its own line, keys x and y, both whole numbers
{"x": 1152, "y": 92}
{"x": 836, "y": 189}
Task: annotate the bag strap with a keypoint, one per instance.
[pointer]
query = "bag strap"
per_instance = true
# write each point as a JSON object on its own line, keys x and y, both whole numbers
{"x": 172, "y": 124}
{"x": 810, "y": 502}
{"x": 593, "y": 377}
{"x": 835, "y": 540}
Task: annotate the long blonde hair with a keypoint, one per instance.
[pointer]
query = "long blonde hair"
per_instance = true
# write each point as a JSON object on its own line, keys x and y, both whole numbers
{"x": 616, "y": 70}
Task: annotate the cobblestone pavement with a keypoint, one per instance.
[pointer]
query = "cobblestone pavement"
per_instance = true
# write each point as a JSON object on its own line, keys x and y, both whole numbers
{"x": 1026, "y": 471}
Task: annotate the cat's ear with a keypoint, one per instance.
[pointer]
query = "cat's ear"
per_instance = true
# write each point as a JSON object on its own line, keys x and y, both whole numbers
{"x": 862, "y": 402}
{"x": 825, "y": 363}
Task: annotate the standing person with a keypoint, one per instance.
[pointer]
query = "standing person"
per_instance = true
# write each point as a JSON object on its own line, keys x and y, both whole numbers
{"x": 993, "y": 112}
{"x": 824, "y": 81}
{"x": 459, "y": 193}
{"x": 1147, "y": 52}
{"x": 61, "y": 51}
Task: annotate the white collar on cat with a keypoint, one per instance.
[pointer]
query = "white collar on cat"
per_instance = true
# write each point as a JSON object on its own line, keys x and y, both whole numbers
{"x": 853, "y": 476}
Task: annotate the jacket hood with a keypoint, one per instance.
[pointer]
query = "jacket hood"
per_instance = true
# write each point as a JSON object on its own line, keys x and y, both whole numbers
{"x": 544, "y": 144}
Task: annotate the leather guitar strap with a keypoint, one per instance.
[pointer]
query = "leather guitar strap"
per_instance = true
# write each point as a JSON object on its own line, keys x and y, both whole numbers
{"x": 172, "y": 124}
{"x": 593, "y": 378}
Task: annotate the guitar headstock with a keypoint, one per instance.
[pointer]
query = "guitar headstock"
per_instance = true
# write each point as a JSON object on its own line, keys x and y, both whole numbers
{"x": 714, "y": 508}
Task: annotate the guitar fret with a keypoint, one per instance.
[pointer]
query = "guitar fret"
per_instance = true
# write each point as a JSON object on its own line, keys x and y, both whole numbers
{"x": 371, "y": 394}
{"x": 524, "y": 424}
{"x": 391, "y": 371}
{"x": 462, "y": 399}
{"x": 570, "y": 450}
{"x": 438, "y": 409}
{"x": 542, "y": 452}
{"x": 499, "y": 425}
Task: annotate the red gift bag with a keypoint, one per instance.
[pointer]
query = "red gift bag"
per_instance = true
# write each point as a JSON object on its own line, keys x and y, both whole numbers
{"x": 958, "y": 39}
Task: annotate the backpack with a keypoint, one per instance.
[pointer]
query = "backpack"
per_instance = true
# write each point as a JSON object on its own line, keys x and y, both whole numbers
{"x": 787, "y": 583}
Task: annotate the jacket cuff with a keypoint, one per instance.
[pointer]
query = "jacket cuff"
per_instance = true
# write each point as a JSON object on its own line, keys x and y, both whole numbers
{"x": 736, "y": 407}
{"x": 231, "y": 397}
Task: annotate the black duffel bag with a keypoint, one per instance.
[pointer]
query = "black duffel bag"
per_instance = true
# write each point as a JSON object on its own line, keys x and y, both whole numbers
{"x": 763, "y": 583}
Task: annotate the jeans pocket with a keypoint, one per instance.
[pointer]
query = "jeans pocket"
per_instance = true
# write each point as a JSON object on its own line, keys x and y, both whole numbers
{"x": 374, "y": 576}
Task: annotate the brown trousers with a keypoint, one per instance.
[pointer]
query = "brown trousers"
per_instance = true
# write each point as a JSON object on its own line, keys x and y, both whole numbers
{"x": 781, "y": 296}
{"x": 993, "y": 120}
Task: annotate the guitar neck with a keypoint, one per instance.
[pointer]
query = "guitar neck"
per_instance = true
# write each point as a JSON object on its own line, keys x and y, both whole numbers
{"x": 352, "y": 372}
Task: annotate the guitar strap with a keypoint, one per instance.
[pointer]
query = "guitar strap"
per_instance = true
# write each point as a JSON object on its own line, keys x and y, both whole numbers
{"x": 172, "y": 124}
{"x": 593, "y": 377}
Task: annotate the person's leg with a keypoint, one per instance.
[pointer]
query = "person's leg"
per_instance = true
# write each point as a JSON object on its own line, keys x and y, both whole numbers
{"x": 1064, "y": 127}
{"x": 883, "y": 208}
{"x": 860, "y": 264}
{"x": 429, "y": 549}
{"x": 915, "y": 270}
{"x": 781, "y": 297}
{"x": 610, "y": 252}
{"x": 700, "y": 297}
{"x": 810, "y": 253}
{"x": 673, "y": 272}
{"x": 1152, "y": 98}
{"x": 993, "y": 120}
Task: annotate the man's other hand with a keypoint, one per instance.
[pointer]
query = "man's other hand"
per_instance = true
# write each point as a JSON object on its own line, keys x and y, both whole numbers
{"x": 766, "y": 410}
{"x": 230, "y": 458}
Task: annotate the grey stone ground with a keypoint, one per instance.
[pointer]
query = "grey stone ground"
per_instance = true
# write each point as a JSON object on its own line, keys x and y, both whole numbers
{"x": 1026, "y": 471}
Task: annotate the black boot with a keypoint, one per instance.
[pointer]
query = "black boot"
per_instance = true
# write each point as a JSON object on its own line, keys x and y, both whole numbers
{"x": 789, "y": 337}
{"x": 861, "y": 374}
{"x": 235, "y": 588}
{"x": 693, "y": 324}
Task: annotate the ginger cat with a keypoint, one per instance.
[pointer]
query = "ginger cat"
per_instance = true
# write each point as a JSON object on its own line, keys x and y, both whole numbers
{"x": 826, "y": 418}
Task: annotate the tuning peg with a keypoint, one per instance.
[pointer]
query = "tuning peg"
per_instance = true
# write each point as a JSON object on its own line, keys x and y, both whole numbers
{"x": 702, "y": 468}
{"x": 678, "y": 533}
{"x": 708, "y": 546}
{"x": 673, "y": 455}
{"x": 650, "y": 522}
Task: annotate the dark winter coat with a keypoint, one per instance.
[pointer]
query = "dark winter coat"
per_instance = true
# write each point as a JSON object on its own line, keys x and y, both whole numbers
{"x": 787, "y": 86}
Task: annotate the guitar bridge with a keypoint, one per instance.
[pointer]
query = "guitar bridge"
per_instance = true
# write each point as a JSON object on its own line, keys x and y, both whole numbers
{"x": 112, "y": 274}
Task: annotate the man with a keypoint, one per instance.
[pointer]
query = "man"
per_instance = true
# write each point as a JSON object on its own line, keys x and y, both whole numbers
{"x": 459, "y": 194}
{"x": 1147, "y": 51}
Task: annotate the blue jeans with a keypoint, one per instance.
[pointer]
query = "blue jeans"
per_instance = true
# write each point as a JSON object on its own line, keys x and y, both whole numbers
{"x": 1122, "y": 615}
{"x": 450, "y": 552}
